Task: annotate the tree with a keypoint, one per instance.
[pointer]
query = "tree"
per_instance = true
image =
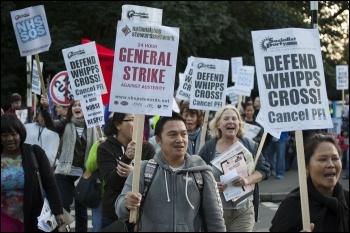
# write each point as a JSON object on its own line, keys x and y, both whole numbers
{"x": 212, "y": 29}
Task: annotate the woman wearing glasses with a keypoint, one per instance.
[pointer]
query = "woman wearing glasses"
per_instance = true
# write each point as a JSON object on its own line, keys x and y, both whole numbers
{"x": 114, "y": 159}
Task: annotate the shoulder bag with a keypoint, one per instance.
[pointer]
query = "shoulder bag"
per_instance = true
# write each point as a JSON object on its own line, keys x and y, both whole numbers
{"x": 88, "y": 189}
{"x": 68, "y": 218}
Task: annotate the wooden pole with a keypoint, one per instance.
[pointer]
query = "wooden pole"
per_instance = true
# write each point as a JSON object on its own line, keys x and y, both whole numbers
{"x": 302, "y": 180}
{"x": 262, "y": 141}
{"x": 138, "y": 137}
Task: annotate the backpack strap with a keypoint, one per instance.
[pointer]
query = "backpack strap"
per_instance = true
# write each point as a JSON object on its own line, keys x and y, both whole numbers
{"x": 151, "y": 168}
{"x": 199, "y": 180}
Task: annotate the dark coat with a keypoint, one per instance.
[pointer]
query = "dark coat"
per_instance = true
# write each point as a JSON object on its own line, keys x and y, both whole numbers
{"x": 108, "y": 154}
{"x": 33, "y": 201}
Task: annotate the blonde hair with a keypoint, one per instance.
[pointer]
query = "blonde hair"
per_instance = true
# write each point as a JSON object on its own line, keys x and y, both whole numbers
{"x": 215, "y": 132}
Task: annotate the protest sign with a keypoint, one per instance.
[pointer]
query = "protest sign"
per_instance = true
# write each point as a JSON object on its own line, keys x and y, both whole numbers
{"x": 36, "y": 85}
{"x": 84, "y": 71}
{"x": 230, "y": 91}
{"x": 209, "y": 83}
{"x": 184, "y": 90}
{"x": 291, "y": 79}
{"x": 342, "y": 77}
{"x": 31, "y": 29}
{"x": 60, "y": 89}
{"x": 141, "y": 14}
{"x": 93, "y": 111}
{"x": 144, "y": 69}
{"x": 245, "y": 80}
{"x": 236, "y": 62}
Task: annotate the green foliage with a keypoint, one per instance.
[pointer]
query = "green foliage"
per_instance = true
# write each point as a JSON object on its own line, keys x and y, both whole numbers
{"x": 212, "y": 29}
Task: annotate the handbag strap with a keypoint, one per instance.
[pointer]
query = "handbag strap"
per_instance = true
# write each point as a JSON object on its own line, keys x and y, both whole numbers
{"x": 36, "y": 169}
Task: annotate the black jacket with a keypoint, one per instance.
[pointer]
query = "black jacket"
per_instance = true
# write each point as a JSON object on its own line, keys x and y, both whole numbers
{"x": 33, "y": 201}
{"x": 108, "y": 154}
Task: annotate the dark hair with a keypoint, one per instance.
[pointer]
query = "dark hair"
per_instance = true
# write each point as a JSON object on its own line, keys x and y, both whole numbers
{"x": 247, "y": 105}
{"x": 70, "y": 111}
{"x": 10, "y": 123}
{"x": 110, "y": 128}
{"x": 162, "y": 120}
{"x": 185, "y": 106}
{"x": 314, "y": 140}
{"x": 15, "y": 97}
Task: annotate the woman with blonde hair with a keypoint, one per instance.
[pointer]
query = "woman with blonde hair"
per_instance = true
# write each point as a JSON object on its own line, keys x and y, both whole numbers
{"x": 227, "y": 129}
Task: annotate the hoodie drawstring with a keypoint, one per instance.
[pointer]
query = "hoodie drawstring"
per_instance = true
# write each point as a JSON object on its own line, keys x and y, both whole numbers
{"x": 166, "y": 186}
{"x": 186, "y": 191}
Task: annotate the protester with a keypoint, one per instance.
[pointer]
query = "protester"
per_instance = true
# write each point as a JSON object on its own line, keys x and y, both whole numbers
{"x": 21, "y": 198}
{"x": 194, "y": 122}
{"x": 91, "y": 166}
{"x": 173, "y": 202}
{"x": 16, "y": 104}
{"x": 227, "y": 129}
{"x": 250, "y": 119}
{"x": 45, "y": 137}
{"x": 61, "y": 110}
{"x": 77, "y": 141}
{"x": 328, "y": 200}
{"x": 114, "y": 159}
{"x": 257, "y": 106}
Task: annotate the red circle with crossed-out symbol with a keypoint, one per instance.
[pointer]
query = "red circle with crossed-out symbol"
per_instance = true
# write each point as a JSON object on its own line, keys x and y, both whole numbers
{"x": 60, "y": 89}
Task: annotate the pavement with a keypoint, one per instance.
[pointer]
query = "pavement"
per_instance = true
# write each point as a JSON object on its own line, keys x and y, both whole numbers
{"x": 275, "y": 190}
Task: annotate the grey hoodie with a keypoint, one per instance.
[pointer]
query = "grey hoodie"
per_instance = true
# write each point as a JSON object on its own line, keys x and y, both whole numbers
{"x": 173, "y": 200}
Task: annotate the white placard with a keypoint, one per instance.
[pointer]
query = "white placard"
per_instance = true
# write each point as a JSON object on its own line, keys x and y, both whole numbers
{"x": 342, "y": 77}
{"x": 141, "y": 14}
{"x": 93, "y": 111}
{"x": 235, "y": 63}
{"x": 291, "y": 79}
{"x": 230, "y": 91}
{"x": 31, "y": 29}
{"x": 245, "y": 80}
{"x": 144, "y": 69}
{"x": 184, "y": 90}
{"x": 84, "y": 70}
{"x": 209, "y": 83}
{"x": 251, "y": 131}
{"x": 36, "y": 84}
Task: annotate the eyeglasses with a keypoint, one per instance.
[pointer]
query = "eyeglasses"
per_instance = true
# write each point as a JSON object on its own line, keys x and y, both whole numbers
{"x": 130, "y": 120}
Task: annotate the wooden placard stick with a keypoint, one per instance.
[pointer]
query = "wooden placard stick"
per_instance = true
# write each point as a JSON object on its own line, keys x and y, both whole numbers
{"x": 262, "y": 141}
{"x": 204, "y": 129}
{"x": 138, "y": 137}
{"x": 304, "y": 200}
{"x": 40, "y": 75}
{"x": 99, "y": 131}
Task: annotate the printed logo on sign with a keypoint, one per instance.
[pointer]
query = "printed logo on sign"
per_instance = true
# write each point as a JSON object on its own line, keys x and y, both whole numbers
{"x": 269, "y": 42}
{"x": 159, "y": 106}
{"x": 137, "y": 104}
{"x": 149, "y": 106}
{"x": 208, "y": 66}
{"x": 31, "y": 28}
{"x": 79, "y": 52}
{"x": 132, "y": 14}
{"x": 126, "y": 30}
{"x": 124, "y": 103}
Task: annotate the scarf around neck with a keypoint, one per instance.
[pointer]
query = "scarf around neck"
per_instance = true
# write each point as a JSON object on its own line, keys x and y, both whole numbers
{"x": 68, "y": 144}
{"x": 194, "y": 141}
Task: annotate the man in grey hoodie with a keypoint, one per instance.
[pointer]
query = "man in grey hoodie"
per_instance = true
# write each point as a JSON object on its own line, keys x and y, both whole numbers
{"x": 174, "y": 201}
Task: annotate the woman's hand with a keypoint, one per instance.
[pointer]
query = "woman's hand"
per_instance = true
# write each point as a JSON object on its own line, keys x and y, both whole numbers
{"x": 124, "y": 169}
{"x": 221, "y": 186}
{"x": 44, "y": 101}
{"x": 130, "y": 150}
{"x": 241, "y": 181}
